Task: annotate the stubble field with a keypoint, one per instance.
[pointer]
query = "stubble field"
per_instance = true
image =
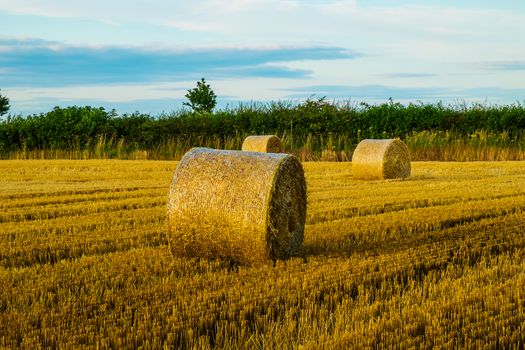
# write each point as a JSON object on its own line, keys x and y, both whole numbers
{"x": 435, "y": 260}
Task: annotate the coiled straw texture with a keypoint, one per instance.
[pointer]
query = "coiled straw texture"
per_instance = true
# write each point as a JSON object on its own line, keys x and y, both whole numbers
{"x": 263, "y": 143}
{"x": 381, "y": 159}
{"x": 246, "y": 207}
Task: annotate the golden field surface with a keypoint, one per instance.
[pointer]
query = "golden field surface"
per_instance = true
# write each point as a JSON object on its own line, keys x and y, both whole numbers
{"x": 437, "y": 260}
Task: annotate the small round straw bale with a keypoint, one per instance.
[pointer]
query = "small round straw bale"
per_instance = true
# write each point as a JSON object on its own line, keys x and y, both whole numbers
{"x": 247, "y": 207}
{"x": 263, "y": 143}
{"x": 381, "y": 159}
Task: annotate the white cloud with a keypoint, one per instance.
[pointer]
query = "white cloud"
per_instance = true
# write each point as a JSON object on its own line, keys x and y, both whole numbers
{"x": 403, "y": 45}
{"x": 110, "y": 93}
{"x": 394, "y": 28}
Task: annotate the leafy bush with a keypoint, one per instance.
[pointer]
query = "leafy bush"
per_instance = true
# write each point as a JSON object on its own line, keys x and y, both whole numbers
{"x": 314, "y": 125}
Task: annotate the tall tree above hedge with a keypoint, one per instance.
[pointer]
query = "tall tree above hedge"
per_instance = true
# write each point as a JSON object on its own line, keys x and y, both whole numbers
{"x": 201, "y": 98}
{"x": 4, "y": 105}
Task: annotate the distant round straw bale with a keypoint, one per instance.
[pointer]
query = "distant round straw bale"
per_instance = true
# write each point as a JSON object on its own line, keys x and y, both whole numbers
{"x": 247, "y": 207}
{"x": 381, "y": 159}
{"x": 263, "y": 143}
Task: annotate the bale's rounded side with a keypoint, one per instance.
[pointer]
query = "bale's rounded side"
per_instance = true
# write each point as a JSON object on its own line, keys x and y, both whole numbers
{"x": 244, "y": 206}
{"x": 263, "y": 143}
{"x": 381, "y": 159}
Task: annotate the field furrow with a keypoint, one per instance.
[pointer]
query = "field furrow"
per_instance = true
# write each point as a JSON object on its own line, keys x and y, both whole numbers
{"x": 434, "y": 261}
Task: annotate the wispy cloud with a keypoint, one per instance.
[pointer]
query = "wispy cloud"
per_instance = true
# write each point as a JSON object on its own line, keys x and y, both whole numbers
{"x": 45, "y": 63}
{"x": 506, "y": 66}
{"x": 119, "y": 51}
{"x": 149, "y": 106}
{"x": 407, "y": 94}
{"x": 497, "y": 93}
{"x": 369, "y": 92}
{"x": 410, "y": 75}
{"x": 156, "y": 99}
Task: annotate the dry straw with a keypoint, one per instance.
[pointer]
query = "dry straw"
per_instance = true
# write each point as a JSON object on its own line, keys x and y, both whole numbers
{"x": 263, "y": 143}
{"x": 244, "y": 206}
{"x": 381, "y": 159}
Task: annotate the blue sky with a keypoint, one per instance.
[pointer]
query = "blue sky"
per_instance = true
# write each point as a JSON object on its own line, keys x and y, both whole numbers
{"x": 140, "y": 55}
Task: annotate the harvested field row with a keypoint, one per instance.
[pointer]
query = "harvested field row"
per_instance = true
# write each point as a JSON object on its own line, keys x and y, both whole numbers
{"x": 71, "y": 210}
{"x": 446, "y": 245}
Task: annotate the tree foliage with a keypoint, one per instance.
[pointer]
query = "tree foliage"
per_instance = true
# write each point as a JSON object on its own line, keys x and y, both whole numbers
{"x": 4, "y": 105}
{"x": 83, "y": 128}
{"x": 201, "y": 98}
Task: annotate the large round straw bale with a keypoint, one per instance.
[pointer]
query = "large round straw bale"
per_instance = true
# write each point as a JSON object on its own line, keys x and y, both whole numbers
{"x": 244, "y": 206}
{"x": 263, "y": 143}
{"x": 381, "y": 159}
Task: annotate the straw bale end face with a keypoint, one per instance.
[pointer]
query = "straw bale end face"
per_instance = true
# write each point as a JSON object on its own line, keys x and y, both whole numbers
{"x": 263, "y": 143}
{"x": 247, "y": 207}
{"x": 381, "y": 159}
{"x": 287, "y": 210}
